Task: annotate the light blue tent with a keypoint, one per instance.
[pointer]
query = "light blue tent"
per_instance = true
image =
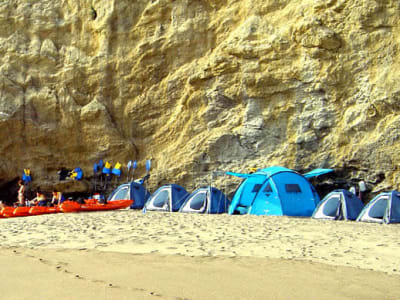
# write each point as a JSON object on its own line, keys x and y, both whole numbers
{"x": 131, "y": 191}
{"x": 384, "y": 208}
{"x": 169, "y": 197}
{"x": 339, "y": 205}
{"x": 208, "y": 200}
{"x": 276, "y": 191}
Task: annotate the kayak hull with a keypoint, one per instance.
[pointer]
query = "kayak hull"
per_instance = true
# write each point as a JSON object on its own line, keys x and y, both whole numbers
{"x": 41, "y": 210}
{"x": 21, "y": 211}
{"x": 8, "y": 212}
{"x": 70, "y": 206}
{"x": 26, "y": 211}
{"x": 66, "y": 207}
{"x": 93, "y": 205}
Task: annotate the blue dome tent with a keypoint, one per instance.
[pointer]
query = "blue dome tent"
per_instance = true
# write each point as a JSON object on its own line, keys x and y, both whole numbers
{"x": 208, "y": 200}
{"x": 131, "y": 191}
{"x": 169, "y": 197}
{"x": 384, "y": 208}
{"x": 276, "y": 191}
{"x": 339, "y": 205}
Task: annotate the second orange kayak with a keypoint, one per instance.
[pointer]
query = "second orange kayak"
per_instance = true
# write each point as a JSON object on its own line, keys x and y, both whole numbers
{"x": 40, "y": 210}
{"x": 93, "y": 205}
{"x": 21, "y": 211}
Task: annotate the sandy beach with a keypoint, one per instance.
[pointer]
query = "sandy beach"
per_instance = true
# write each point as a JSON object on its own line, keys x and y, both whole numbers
{"x": 130, "y": 255}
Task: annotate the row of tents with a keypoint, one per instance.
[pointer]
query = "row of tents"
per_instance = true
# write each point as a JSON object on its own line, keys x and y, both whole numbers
{"x": 173, "y": 198}
{"x": 270, "y": 191}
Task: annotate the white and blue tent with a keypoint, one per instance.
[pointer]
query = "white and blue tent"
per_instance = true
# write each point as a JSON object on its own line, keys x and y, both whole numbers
{"x": 131, "y": 191}
{"x": 384, "y": 208}
{"x": 206, "y": 200}
{"x": 169, "y": 197}
{"x": 276, "y": 191}
{"x": 339, "y": 205}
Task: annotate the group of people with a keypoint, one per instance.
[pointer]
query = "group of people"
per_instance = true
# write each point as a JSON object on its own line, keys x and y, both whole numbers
{"x": 40, "y": 199}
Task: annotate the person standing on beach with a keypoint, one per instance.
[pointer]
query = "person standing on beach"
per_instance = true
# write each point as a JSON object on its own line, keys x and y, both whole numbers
{"x": 21, "y": 193}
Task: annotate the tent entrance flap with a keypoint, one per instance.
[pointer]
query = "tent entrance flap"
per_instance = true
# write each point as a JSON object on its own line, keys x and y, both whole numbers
{"x": 331, "y": 207}
{"x": 378, "y": 210}
{"x": 242, "y": 210}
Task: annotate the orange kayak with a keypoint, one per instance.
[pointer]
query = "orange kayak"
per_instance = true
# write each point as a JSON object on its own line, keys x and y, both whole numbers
{"x": 21, "y": 211}
{"x": 40, "y": 210}
{"x": 94, "y": 205}
{"x": 25, "y": 211}
{"x": 8, "y": 212}
{"x": 70, "y": 206}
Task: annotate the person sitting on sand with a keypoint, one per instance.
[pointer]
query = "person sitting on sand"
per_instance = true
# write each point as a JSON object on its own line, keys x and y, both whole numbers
{"x": 39, "y": 200}
{"x": 21, "y": 193}
{"x": 57, "y": 199}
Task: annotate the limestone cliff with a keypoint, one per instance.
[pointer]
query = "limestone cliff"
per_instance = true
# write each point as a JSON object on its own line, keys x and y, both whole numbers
{"x": 200, "y": 85}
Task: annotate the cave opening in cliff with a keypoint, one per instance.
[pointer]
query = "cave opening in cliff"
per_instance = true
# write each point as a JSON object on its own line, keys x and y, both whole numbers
{"x": 8, "y": 191}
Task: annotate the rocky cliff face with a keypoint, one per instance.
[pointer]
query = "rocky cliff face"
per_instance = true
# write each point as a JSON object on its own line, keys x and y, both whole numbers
{"x": 200, "y": 86}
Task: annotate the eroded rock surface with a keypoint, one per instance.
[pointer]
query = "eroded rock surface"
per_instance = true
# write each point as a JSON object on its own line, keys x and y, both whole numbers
{"x": 200, "y": 86}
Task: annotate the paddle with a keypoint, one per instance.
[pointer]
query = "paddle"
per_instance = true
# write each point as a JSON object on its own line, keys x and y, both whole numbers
{"x": 148, "y": 165}
{"x": 100, "y": 166}
{"x": 95, "y": 169}
{"x": 134, "y": 167}
{"x": 26, "y": 176}
{"x": 129, "y": 165}
{"x": 116, "y": 171}
{"x": 107, "y": 172}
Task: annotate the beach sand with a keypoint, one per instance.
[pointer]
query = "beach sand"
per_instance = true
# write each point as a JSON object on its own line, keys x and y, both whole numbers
{"x": 130, "y": 255}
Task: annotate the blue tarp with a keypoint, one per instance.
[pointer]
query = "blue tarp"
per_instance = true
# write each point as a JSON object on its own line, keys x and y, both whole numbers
{"x": 317, "y": 172}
